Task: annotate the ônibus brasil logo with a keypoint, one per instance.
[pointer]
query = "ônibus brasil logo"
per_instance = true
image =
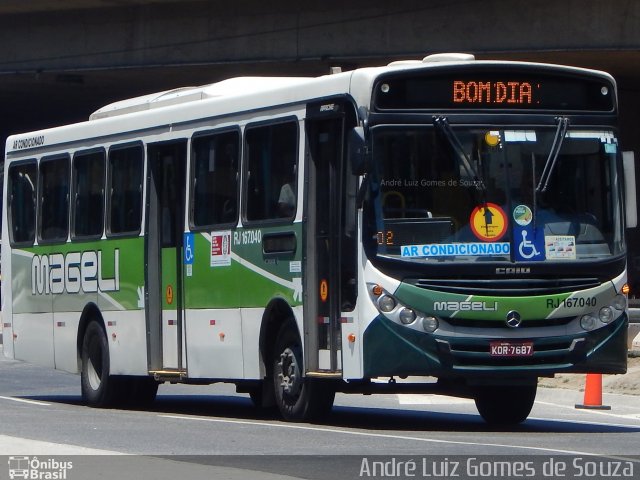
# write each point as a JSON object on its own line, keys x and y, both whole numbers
{"x": 35, "y": 469}
{"x": 73, "y": 272}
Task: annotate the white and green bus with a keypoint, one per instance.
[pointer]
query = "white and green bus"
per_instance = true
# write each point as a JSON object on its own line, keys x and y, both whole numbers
{"x": 454, "y": 221}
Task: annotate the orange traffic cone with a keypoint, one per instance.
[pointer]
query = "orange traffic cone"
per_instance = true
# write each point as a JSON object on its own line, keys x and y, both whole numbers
{"x": 593, "y": 393}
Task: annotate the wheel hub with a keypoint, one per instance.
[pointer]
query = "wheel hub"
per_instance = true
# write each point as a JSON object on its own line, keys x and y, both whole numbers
{"x": 290, "y": 378}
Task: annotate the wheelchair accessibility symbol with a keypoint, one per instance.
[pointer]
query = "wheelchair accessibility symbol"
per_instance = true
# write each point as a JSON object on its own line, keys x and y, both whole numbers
{"x": 527, "y": 246}
{"x": 189, "y": 248}
{"x": 530, "y": 244}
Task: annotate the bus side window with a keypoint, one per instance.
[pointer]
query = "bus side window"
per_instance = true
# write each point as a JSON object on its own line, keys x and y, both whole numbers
{"x": 125, "y": 169}
{"x": 88, "y": 194}
{"x": 215, "y": 179}
{"x": 272, "y": 153}
{"x": 54, "y": 199}
{"x": 22, "y": 202}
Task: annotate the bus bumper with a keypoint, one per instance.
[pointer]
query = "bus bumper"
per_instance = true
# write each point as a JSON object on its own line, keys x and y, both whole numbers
{"x": 392, "y": 350}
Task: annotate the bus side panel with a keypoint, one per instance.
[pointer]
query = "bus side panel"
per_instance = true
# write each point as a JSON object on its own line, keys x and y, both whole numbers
{"x": 67, "y": 308}
{"x": 216, "y": 288}
{"x": 121, "y": 303}
{"x": 7, "y": 333}
{"x": 33, "y": 341}
{"x": 251, "y": 327}
{"x": 6, "y": 310}
{"x": 251, "y": 323}
{"x": 32, "y": 307}
{"x": 127, "y": 336}
{"x": 214, "y": 339}
{"x": 65, "y": 334}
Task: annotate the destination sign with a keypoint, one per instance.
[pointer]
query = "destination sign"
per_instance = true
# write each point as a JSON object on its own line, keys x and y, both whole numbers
{"x": 526, "y": 89}
{"x": 510, "y": 93}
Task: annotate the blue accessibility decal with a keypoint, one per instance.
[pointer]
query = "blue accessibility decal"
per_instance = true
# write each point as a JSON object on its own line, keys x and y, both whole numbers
{"x": 189, "y": 248}
{"x": 528, "y": 244}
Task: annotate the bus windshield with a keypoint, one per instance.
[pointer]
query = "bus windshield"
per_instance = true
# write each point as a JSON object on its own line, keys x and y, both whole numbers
{"x": 466, "y": 194}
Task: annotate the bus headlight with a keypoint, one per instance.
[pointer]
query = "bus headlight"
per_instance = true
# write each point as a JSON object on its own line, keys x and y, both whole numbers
{"x": 606, "y": 314}
{"x": 399, "y": 313}
{"x": 588, "y": 322}
{"x": 430, "y": 324}
{"x": 620, "y": 302}
{"x": 386, "y": 303}
{"x": 407, "y": 316}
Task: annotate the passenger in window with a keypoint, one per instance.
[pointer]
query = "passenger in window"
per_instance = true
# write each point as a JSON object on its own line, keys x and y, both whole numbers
{"x": 287, "y": 199}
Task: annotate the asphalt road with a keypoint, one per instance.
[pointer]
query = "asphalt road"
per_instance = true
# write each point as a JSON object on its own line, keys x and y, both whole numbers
{"x": 41, "y": 414}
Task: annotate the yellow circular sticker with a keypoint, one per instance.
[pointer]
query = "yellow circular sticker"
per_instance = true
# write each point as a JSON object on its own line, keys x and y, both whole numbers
{"x": 169, "y": 294}
{"x": 324, "y": 290}
{"x": 488, "y": 222}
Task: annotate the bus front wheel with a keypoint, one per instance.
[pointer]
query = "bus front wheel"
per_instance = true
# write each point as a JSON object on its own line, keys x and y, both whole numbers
{"x": 298, "y": 398}
{"x": 98, "y": 387}
{"x": 504, "y": 404}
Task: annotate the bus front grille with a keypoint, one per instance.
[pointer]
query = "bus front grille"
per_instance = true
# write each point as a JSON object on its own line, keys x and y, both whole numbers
{"x": 511, "y": 287}
{"x": 467, "y": 323}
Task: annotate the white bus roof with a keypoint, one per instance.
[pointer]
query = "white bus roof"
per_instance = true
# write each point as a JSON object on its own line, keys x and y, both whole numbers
{"x": 225, "y": 88}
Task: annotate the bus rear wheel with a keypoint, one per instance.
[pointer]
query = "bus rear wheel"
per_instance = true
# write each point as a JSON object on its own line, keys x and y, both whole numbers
{"x": 298, "y": 398}
{"x": 98, "y": 387}
{"x": 505, "y": 405}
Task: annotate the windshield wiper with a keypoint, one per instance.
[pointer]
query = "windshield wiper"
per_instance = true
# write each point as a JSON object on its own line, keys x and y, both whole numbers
{"x": 442, "y": 124}
{"x": 561, "y": 131}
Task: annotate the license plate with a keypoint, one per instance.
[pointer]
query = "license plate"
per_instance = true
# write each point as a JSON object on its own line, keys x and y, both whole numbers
{"x": 511, "y": 349}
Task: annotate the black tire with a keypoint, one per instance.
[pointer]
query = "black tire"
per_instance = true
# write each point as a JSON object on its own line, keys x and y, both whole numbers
{"x": 505, "y": 405}
{"x": 99, "y": 388}
{"x": 298, "y": 398}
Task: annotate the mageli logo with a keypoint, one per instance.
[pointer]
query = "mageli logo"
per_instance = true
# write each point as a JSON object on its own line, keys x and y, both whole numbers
{"x": 72, "y": 273}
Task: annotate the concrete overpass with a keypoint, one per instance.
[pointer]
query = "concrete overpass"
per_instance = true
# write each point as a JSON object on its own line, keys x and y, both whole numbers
{"x": 62, "y": 59}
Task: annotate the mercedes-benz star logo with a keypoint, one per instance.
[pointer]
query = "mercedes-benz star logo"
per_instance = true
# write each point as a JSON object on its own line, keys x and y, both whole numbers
{"x": 513, "y": 319}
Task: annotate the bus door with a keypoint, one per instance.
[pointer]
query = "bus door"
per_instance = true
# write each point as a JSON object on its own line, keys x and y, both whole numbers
{"x": 330, "y": 270}
{"x": 166, "y": 175}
